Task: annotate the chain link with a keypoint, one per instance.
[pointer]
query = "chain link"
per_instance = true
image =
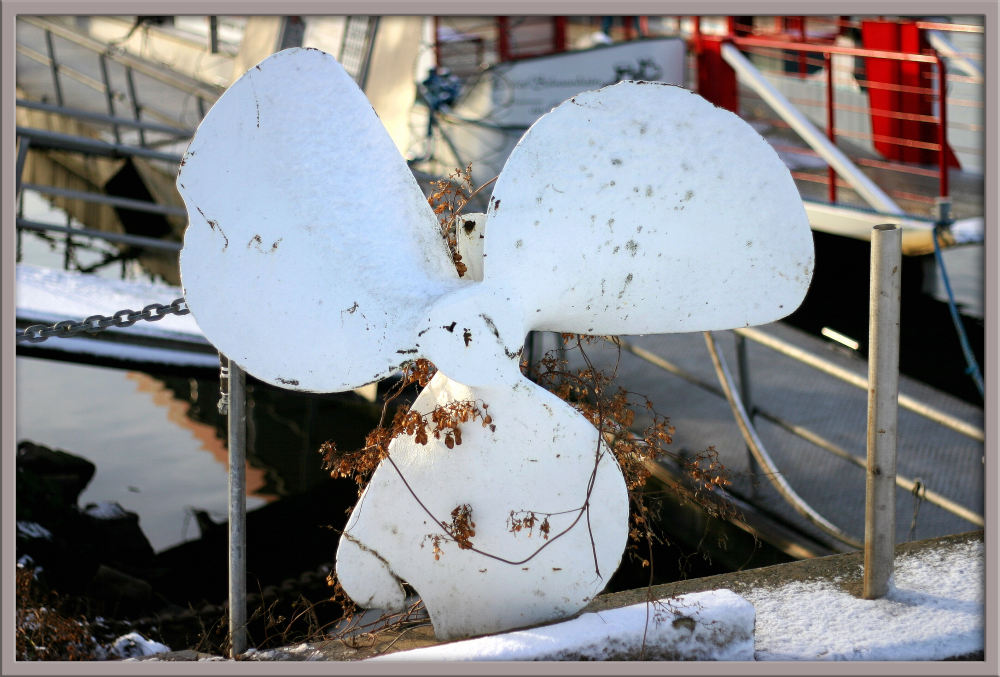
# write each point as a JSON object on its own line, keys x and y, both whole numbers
{"x": 223, "y": 385}
{"x": 37, "y": 333}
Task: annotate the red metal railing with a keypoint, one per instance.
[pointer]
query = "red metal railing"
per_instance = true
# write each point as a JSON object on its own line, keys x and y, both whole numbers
{"x": 874, "y": 87}
{"x": 906, "y": 146}
{"x": 906, "y": 130}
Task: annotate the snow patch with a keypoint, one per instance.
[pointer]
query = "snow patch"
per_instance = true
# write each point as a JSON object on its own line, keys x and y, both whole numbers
{"x": 968, "y": 230}
{"x": 134, "y": 645}
{"x": 301, "y": 652}
{"x": 933, "y": 611}
{"x": 713, "y": 625}
{"x": 33, "y": 530}
{"x": 105, "y": 510}
{"x": 47, "y": 293}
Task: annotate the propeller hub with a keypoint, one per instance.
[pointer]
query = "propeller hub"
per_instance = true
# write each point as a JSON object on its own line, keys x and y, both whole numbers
{"x": 475, "y": 336}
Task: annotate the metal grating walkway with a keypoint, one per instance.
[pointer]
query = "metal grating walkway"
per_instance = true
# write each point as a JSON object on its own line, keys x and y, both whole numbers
{"x": 943, "y": 460}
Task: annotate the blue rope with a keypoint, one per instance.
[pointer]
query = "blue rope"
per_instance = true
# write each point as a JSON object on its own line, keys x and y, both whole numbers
{"x": 970, "y": 359}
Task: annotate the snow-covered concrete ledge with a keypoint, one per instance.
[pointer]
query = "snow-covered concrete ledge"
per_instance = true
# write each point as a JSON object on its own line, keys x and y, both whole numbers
{"x": 712, "y": 625}
{"x": 810, "y": 610}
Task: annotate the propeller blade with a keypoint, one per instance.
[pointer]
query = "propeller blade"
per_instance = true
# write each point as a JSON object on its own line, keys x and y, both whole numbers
{"x": 536, "y": 457}
{"x": 311, "y": 253}
{"x": 642, "y": 208}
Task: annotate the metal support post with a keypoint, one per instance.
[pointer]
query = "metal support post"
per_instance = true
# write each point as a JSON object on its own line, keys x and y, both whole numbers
{"x": 109, "y": 95}
{"x": 136, "y": 107}
{"x": 54, "y": 65}
{"x": 24, "y": 143}
{"x": 236, "y": 378}
{"x": 883, "y": 395}
{"x": 744, "y": 369}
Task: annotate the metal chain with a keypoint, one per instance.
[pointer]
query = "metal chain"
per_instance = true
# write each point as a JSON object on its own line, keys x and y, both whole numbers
{"x": 37, "y": 333}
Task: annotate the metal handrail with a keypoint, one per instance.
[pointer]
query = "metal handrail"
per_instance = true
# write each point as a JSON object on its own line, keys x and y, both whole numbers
{"x": 748, "y": 41}
{"x": 905, "y": 401}
{"x": 186, "y": 85}
{"x": 902, "y": 481}
{"x": 122, "y": 238}
{"x": 41, "y": 138}
{"x": 102, "y": 198}
{"x": 759, "y": 452}
{"x": 822, "y": 365}
{"x": 104, "y": 119}
{"x": 76, "y": 75}
{"x": 825, "y": 147}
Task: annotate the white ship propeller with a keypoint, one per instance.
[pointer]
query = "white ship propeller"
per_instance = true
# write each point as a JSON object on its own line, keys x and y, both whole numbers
{"x": 314, "y": 261}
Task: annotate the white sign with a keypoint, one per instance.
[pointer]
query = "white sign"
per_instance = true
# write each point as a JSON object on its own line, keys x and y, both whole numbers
{"x": 526, "y": 89}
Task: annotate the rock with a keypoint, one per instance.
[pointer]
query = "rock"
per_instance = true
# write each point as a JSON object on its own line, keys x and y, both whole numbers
{"x": 116, "y": 533}
{"x": 48, "y": 481}
{"x": 119, "y": 595}
{"x": 76, "y": 548}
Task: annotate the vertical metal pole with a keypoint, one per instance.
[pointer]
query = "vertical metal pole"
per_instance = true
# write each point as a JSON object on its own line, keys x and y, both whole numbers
{"x": 54, "y": 66}
{"x": 942, "y": 74}
{"x": 19, "y": 254}
{"x": 559, "y": 34}
{"x": 883, "y": 396}
{"x": 109, "y": 95}
{"x": 744, "y": 368}
{"x": 213, "y": 34}
{"x": 803, "y": 66}
{"x": 831, "y": 175}
{"x": 136, "y": 108}
{"x": 437, "y": 41}
{"x": 237, "y": 511}
{"x": 503, "y": 38}
{"x": 68, "y": 250}
{"x": 24, "y": 143}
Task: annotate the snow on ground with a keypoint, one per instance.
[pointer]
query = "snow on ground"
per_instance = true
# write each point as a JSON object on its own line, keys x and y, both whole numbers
{"x": 712, "y": 625}
{"x": 934, "y": 610}
{"x": 299, "y": 652}
{"x": 134, "y": 645}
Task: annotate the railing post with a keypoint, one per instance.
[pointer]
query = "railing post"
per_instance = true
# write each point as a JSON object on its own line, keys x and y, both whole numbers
{"x": 883, "y": 395}
{"x": 942, "y": 74}
{"x": 136, "y": 107}
{"x": 24, "y": 143}
{"x": 503, "y": 38}
{"x": 831, "y": 174}
{"x": 236, "y": 403}
{"x": 54, "y": 66}
{"x": 743, "y": 366}
{"x": 109, "y": 95}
